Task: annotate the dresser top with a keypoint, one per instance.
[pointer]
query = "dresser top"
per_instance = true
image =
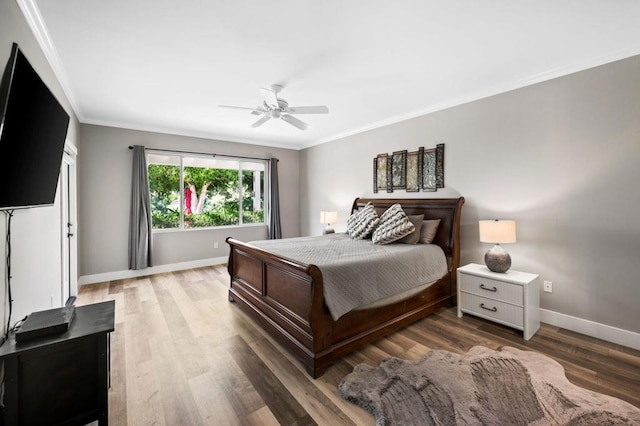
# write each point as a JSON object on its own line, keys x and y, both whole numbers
{"x": 511, "y": 276}
{"x": 89, "y": 319}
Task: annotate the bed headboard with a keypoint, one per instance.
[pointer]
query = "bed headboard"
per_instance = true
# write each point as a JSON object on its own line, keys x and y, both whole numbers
{"x": 446, "y": 209}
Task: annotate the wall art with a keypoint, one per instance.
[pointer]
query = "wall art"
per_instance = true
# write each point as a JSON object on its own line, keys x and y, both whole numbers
{"x": 399, "y": 170}
{"x": 380, "y": 173}
{"x": 412, "y": 171}
{"x": 429, "y": 170}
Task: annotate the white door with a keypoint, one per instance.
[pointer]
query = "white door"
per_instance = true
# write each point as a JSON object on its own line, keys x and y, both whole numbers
{"x": 68, "y": 203}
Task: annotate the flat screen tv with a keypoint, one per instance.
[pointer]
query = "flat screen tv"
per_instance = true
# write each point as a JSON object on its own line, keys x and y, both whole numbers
{"x": 33, "y": 129}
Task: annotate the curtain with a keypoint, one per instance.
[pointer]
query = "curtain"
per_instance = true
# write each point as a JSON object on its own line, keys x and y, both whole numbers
{"x": 274, "y": 231}
{"x": 140, "y": 243}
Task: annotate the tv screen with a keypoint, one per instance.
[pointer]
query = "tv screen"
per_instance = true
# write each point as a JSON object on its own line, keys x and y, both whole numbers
{"x": 32, "y": 136}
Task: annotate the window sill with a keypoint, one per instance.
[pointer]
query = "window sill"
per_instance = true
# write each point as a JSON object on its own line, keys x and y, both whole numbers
{"x": 211, "y": 228}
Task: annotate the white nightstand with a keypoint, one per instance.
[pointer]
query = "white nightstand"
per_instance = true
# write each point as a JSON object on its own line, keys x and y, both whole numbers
{"x": 512, "y": 298}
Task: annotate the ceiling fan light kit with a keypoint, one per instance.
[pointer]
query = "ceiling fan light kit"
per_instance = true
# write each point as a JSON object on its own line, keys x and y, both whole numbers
{"x": 277, "y": 108}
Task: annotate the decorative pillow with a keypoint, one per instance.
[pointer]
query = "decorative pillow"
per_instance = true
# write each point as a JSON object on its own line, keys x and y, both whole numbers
{"x": 394, "y": 224}
{"x": 361, "y": 223}
{"x": 428, "y": 231}
{"x": 413, "y": 237}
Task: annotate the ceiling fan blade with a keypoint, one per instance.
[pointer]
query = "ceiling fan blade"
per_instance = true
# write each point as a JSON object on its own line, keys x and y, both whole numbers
{"x": 294, "y": 121}
{"x": 261, "y": 121}
{"x": 319, "y": 109}
{"x": 269, "y": 97}
{"x": 236, "y": 107}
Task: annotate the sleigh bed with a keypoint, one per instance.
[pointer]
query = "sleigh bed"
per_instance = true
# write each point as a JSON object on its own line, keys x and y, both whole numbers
{"x": 286, "y": 297}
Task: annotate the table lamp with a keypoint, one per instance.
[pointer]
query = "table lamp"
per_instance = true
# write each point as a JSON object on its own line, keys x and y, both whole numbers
{"x": 328, "y": 218}
{"x": 497, "y": 232}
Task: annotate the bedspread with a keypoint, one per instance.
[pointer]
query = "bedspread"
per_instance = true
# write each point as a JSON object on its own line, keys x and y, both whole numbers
{"x": 356, "y": 273}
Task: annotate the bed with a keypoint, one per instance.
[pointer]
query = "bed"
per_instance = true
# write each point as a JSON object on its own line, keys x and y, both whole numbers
{"x": 286, "y": 296}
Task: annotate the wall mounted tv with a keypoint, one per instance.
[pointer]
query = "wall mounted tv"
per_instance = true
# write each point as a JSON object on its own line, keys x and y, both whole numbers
{"x": 33, "y": 129}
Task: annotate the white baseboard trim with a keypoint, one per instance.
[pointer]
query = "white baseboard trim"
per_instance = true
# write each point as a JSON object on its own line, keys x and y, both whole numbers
{"x": 600, "y": 331}
{"x": 120, "y": 275}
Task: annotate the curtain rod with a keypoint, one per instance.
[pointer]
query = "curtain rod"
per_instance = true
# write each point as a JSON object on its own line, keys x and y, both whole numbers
{"x": 208, "y": 153}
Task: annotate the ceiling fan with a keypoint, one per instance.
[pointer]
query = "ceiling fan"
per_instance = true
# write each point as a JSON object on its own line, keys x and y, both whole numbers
{"x": 275, "y": 107}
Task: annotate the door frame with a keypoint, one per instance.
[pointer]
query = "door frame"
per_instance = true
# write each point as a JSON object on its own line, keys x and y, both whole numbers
{"x": 68, "y": 225}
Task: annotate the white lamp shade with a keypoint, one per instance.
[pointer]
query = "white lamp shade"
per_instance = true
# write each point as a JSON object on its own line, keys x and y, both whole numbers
{"x": 497, "y": 231}
{"x": 328, "y": 217}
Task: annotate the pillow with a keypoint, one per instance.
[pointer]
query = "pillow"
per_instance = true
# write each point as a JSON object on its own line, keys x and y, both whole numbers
{"x": 429, "y": 229}
{"x": 394, "y": 224}
{"x": 361, "y": 223}
{"x": 413, "y": 237}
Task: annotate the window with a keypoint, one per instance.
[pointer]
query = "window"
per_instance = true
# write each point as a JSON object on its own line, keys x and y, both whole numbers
{"x": 198, "y": 192}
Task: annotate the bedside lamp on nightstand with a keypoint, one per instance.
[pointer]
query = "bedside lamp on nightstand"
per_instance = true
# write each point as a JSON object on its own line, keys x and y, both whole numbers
{"x": 497, "y": 232}
{"x": 328, "y": 218}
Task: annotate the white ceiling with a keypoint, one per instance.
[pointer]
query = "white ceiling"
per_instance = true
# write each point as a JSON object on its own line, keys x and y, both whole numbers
{"x": 165, "y": 65}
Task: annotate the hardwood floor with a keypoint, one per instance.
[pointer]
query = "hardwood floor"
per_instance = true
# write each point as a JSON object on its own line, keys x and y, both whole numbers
{"x": 181, "y": 354}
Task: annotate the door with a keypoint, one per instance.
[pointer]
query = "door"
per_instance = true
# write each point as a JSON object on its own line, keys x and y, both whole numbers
{"x": 68, "y": 204}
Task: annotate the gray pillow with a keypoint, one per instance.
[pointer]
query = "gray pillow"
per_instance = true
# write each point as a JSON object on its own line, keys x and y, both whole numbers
{"x": 361, "y": 223}
{"x": 413, "y": 237}
{"x": 428, "y": 231}
{"x": 394, "y": 224}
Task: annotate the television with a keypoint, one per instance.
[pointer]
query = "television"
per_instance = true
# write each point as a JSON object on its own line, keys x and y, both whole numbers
{"x": 33, "y": 129}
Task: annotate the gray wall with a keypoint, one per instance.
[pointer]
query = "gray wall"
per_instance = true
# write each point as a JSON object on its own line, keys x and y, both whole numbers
{"x": 36, "y": 233}
{"x": 104, "y": 199}
{"x": 561, "y": 158}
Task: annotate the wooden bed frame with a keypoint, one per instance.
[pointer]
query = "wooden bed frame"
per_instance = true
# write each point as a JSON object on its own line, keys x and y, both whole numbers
{"x": 286, "y": 297}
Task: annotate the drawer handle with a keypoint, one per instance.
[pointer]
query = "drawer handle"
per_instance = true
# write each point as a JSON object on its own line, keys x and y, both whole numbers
{"x": 494, "y": 309}
{"x": 487, "y": 288}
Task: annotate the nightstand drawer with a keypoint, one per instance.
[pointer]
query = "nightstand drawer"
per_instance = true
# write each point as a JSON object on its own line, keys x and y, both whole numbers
{"x": 492, "y": 289}
{"x": 499, "y": 311}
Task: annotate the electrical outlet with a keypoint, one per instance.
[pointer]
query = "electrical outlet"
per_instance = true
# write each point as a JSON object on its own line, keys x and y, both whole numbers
{"x": 548, "y": 287}
{"x": 215, "y": 244}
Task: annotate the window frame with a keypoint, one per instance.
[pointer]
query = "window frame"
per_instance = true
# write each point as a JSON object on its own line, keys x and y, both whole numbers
{"x": 240, "y": 190}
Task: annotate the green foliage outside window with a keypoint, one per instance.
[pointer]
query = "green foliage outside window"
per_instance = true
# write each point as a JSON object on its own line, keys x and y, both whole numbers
{"x": 164, "y": 188}
{"x": 211, "y": 197}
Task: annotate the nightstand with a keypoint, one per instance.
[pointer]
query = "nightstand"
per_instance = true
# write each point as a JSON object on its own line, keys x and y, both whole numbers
{"x": 511, "y": 298}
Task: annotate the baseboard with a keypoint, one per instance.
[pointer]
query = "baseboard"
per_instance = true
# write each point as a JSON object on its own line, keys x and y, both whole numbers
{"x": 619, "y": 336}
{"x": 119, "y": 275}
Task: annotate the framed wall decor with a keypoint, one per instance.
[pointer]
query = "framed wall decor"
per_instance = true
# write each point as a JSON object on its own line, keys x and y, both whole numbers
{"x": 414, "y": 171}
{"x": 440, "y": 165}
{"x": 399, "y": 170}
{"x": 389, "y": 174}
{"x": 380, "y": 173}
{"x": 429, "y": 170}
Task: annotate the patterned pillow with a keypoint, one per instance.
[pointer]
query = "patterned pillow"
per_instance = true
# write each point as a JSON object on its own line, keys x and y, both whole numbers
{"x": 394, "y": 224}
{"x": 361, "y": 223}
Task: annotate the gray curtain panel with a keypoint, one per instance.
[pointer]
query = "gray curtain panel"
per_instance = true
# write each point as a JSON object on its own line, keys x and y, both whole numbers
{"x": 274, "y": 201}
{"x": 140, "y": 243}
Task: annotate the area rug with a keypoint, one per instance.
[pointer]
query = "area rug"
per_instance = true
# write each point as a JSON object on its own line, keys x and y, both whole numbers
{"x": 481, "y": 387}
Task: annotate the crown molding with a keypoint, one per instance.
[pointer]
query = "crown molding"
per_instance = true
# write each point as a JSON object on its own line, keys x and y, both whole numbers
{"x": 33, "y": 17}
{"x": 594, "y": 62}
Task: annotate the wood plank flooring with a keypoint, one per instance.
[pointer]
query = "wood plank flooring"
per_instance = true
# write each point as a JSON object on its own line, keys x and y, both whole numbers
{"x": 181, "y": 354}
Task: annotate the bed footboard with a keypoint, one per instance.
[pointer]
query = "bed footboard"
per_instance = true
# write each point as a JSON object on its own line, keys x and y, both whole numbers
{"x": 285, "y": 297}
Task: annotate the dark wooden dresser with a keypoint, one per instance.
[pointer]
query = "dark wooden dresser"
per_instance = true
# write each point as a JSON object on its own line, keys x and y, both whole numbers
{"x": 61, "y": 379}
